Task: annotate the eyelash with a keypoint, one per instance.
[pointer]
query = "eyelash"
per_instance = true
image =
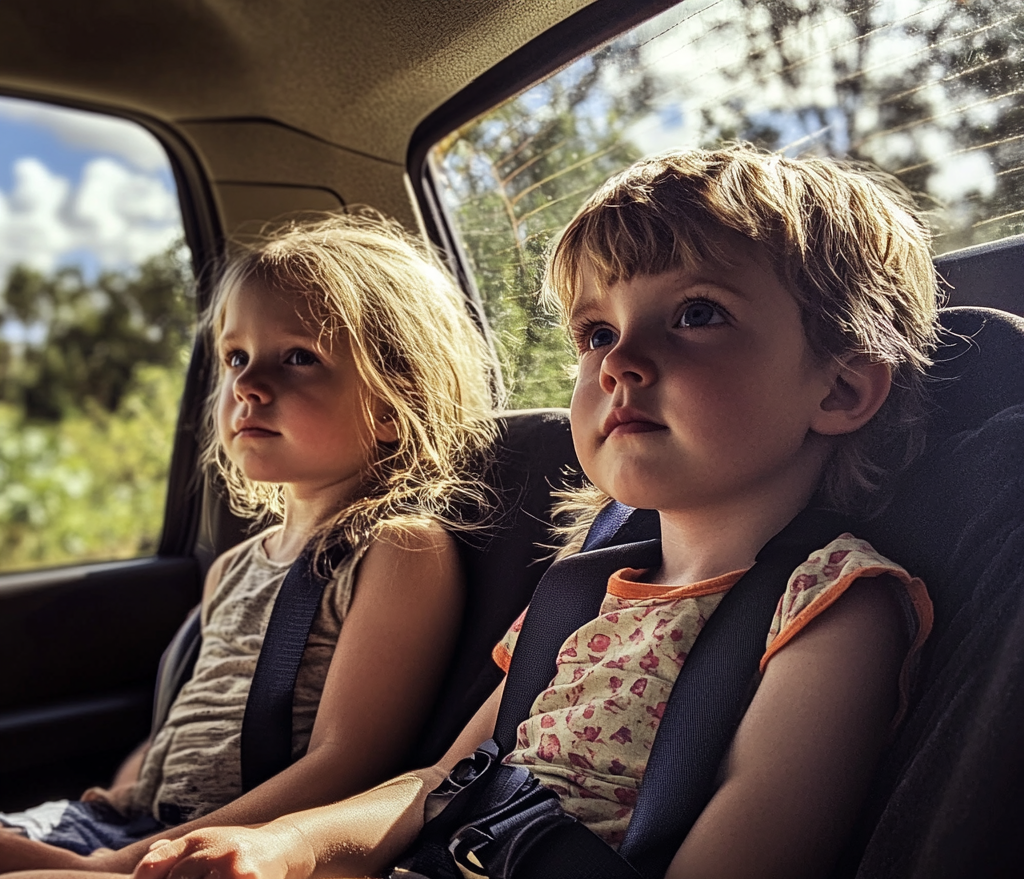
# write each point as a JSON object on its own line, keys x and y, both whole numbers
{"x": 701, "y": 300}
{"x": 231, "y": 355}
{"x": 583, "y": 333}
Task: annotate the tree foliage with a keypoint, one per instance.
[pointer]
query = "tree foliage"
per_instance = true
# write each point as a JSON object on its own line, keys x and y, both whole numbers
{"x": 514, "y": 180}
{"x": 929, "y": 90}
{"x": 71, "y": 343}
{"x": 91, "y": 375}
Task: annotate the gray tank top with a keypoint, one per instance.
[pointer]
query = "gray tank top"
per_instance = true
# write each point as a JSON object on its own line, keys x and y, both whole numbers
{"x": 194, "y": 760}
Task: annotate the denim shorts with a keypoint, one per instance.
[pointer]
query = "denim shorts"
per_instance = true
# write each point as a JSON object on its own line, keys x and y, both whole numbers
{"x": 81, "y": 827}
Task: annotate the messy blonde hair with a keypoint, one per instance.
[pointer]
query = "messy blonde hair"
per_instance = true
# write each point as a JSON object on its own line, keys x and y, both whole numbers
{"x": 415, "y": 347}
{"x": 845, "y": 239}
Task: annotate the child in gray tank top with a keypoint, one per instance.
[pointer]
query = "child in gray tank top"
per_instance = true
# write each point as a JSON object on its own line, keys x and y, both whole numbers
{"x": 353, "y": 404}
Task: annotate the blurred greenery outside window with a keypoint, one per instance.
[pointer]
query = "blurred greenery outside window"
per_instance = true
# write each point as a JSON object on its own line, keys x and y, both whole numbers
{"x": 929, "y": 90}
{"x": 96, "y": 323}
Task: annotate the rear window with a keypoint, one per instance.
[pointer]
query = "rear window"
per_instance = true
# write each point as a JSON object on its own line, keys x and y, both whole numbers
{"x": 930, "y": 91}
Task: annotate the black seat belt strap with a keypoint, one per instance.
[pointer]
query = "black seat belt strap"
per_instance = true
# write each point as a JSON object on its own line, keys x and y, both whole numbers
{"x": 568, "y": 596}
{"x": 714, "y": 686}
{"x": 267, "y": 724}
{"x": 618, "y": 524}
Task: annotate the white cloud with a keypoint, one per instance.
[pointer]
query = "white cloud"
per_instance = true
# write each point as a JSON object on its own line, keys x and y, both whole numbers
{"x": 91, "y": 131}
{"x": 116, "y": 216}
{"x": 957, "y": 176}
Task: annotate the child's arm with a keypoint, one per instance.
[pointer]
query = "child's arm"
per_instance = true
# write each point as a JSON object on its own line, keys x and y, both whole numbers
{"x": 358, "y": 837}
{"x": 803, "y": 756}
{"x": 119, "y": 794}
{"x": 393, "y": 649}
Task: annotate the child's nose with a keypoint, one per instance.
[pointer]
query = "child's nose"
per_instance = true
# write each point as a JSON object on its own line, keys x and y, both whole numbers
{"x": 627, "y": 362}
{"x": 250, "y": 385}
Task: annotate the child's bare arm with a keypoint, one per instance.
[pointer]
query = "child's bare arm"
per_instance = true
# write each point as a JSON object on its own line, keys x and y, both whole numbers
{"x": 119, "y": 794}
{"x": 357, "y": 837}
{"x": 392, "y": 651}
{"x": 804, "y": 753}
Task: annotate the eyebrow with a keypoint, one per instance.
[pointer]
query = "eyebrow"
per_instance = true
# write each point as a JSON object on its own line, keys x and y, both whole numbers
{"x": 581, "y": 312}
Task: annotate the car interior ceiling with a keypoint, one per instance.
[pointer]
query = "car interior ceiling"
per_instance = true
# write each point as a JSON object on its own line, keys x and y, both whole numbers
{"x": 314, "y": 105}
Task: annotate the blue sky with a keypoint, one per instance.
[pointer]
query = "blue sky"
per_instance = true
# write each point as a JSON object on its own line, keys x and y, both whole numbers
{"x": 79, "y": 187}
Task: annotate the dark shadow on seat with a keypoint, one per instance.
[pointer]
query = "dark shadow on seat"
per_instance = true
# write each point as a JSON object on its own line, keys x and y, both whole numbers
{"x": 503, "y": 565}
{"x": 948, "y": 800}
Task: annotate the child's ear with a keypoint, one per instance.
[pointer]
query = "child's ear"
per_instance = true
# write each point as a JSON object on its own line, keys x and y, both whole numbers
{"x": 859, "y": 388}
{"x": 385, "y": 428}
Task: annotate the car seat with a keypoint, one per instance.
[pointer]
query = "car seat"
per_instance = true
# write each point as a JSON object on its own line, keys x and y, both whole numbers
{"x": 948, "y": 800}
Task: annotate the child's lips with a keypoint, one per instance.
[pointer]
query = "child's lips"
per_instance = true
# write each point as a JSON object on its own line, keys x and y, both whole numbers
{"x": 635, "y": 427}
{"x": 254, "y": 431}
{"x": 625, "y": 421}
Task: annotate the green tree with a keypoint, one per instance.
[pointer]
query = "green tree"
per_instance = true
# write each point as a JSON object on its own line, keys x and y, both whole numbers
{"x": 513, "y": 181}
{"x": 91, "y": 375}
{"x": 80, "y": 343}
{"x": 931, "y": 93}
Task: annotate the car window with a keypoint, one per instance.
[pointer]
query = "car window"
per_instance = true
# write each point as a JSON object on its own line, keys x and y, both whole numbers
{"x": 96, "y": 323}
{"x": 930, "y": 90}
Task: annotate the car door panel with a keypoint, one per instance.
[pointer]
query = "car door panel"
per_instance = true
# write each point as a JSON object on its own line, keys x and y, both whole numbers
{"x": 80, "y": 647}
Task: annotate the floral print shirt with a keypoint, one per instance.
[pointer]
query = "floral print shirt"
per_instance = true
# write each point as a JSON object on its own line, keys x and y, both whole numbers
{"x": 589, "y": 734}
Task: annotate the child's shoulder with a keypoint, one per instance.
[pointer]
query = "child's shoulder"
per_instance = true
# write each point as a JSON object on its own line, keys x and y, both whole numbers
{"x": 411, "y": 554}
{"x": 229, "y": 558}
{"x": 412, "y": 535}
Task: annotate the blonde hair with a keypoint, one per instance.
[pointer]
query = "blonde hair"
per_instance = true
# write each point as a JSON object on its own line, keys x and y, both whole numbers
{"x": 415, "y": 347}
{"x": 845, "y": 239}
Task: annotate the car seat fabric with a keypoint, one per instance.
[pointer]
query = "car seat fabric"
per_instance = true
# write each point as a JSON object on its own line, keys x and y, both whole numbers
{"x": 503, "y": 564}
{"x": 176, "y": 665}
{"x": 987, "y": 274}
{"x": 948, "y": 799}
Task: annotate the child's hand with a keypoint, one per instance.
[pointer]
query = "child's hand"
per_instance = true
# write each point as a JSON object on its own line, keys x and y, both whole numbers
{"x": 119, "y": 797}
{"x": 225, "y": 852}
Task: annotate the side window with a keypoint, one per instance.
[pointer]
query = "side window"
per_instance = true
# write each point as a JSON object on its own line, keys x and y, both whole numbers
{"x": 929, "y": 90}
{"x": 96, "y": 322}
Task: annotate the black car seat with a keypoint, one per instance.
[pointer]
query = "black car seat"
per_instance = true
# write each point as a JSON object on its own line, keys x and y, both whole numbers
{"x": 948, "y": 800}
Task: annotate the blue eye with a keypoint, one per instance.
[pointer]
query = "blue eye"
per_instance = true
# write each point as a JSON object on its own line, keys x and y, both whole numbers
{"x": 237, "y": 359}
{"x": 301, "y": 357}
{"x": 701, "y": 314}
{"x": 601, "y": 337}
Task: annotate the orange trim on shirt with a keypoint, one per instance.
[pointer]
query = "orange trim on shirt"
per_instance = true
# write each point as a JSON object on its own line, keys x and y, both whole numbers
{"x": 502, "y": 658}
{"x": 919, "y": 599}
{"x": 627, "y": 584}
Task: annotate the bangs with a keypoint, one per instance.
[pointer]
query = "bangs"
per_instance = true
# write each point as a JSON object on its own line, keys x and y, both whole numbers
{"x": 629, "y": 230}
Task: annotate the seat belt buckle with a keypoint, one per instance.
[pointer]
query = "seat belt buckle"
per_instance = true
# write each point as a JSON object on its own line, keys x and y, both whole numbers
{"x": 464, "y": 845}
{"x": 463, "y": 774}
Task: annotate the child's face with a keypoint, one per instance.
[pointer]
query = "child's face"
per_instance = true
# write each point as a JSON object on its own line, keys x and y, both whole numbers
{"x": 291, "y": 410}
{"x": 697, "y": 390}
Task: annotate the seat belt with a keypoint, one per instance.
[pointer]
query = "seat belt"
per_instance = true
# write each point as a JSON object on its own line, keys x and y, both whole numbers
{"x": 617, "y": 524}
{"x": 266, "y": 743}
{"x": 176, "y": 666}
{"x": 717, "y": 678}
